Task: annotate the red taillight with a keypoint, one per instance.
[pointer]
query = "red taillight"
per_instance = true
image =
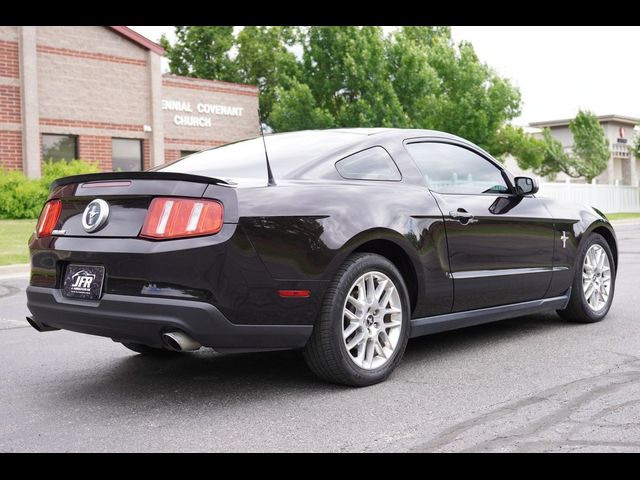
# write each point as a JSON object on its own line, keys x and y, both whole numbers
{"x": 48, "y": 218}
{"x": 182, "y": 217}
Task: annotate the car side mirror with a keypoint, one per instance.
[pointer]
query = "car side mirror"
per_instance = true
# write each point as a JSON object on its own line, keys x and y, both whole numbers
{"x": 526, "y": 185}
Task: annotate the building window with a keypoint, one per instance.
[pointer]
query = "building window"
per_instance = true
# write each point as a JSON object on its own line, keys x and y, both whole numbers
{"x": 184, "y": 153}
{"x": 126, "y": 155}
{"x": 59, "y": 147}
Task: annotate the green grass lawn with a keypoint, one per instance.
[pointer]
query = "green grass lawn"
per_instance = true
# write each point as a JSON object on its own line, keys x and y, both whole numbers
{"x": 14, "y": 235}
{"x": 622, "y": 216}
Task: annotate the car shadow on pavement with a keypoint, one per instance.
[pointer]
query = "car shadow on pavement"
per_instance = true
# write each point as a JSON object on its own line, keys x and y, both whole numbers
{"x": 224, "y": 379}
{"x": 449, "y": 343}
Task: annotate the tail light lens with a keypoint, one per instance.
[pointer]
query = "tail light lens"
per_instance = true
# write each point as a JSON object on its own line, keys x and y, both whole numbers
{"x": 48, "y": 218}
{"x": 182, "y": 217}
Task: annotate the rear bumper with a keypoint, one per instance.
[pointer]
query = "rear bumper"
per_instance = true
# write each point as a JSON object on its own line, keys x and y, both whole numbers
{"x": 144, "y": 319}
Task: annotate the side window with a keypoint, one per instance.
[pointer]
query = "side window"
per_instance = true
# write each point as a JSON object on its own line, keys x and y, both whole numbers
{"x": 371, "y": 164}
{"x": 452, "y": 169}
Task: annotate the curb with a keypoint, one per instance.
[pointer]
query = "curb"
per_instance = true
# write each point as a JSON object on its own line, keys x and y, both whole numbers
{"x": 18, "y": 270}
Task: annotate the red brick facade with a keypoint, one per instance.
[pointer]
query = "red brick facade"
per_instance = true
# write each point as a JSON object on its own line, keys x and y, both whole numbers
{"x": 171, "y": 154}
{"x": 146, "y": 154}
{"x": 95, "y": 148}
{"x": 201, "y": 143}
{"x": 94, "y": 56}
{"x": 212, "y": 88}
{"x": 101, "y": 83}
{"x": 88, "y": 124}
{"x": 10, "y": 104}
{"x": 11, "y": 150}
{"x": 9, "y": 59}
{"x": 10, "y": 107}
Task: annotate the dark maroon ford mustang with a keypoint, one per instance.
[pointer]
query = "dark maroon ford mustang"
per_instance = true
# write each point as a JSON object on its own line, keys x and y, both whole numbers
{"x": 346, "y": 244}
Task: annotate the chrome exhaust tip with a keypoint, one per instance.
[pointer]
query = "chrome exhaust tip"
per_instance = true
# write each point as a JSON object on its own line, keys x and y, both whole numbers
{"x": 180, "y": 341}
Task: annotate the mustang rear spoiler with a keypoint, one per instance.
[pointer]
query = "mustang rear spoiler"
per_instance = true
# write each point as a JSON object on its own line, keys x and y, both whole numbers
{"x": 106, "y": 176}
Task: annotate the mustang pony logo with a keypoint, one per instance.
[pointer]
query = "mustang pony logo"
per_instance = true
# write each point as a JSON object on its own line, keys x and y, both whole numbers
{"x": 95, "y": 210}
{"x": 95, "y": 215}
{"x": 82, "y": 281}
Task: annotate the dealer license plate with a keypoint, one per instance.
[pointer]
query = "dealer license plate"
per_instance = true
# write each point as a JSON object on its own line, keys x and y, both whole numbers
{"x": 83, "y": 281}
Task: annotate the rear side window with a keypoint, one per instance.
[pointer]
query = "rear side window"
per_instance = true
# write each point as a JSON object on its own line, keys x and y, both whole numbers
{"x": 374, "y": 163}
{"x": 238, "y": 162}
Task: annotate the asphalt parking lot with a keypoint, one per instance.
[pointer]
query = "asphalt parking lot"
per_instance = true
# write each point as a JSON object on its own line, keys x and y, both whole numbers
{"x": 529, "y": 384}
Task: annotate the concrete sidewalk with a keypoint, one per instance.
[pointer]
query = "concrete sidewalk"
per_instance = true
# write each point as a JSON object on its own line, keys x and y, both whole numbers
{"x": 14, "y": 271}
{"x": 626, "y": 221}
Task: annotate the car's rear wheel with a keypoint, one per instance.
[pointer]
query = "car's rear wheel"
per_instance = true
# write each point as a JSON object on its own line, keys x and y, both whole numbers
{"x": 147, "y": 350}
{"x": 363, "y": 327}
{"x": 593, "y": 284}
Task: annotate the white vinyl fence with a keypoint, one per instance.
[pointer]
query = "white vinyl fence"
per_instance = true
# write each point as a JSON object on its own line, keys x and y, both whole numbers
{"x": 607, "y": 198}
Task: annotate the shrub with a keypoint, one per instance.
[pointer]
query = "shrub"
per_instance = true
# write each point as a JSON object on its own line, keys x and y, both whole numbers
{"x": 53, "y": 170}
{"x": 21, "y": 197}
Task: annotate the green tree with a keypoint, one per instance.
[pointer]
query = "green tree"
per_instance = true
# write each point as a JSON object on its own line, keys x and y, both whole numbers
{"x": 555, "y": 158}
{"x": 297, "y": 109}
{"x": 265, "y": 59}
{"x": 635, "y": 146}
{"x": 348, "y": 76}
{"x": 546, "y": 156}
{"x": 590, "y": 146}
{"x": 444, "y": 86}
{"x": 203, "y": 52}
{"x": 528, "y": 150}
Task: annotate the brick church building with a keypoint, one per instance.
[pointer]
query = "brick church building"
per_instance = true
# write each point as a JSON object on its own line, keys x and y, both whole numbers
{"x": 98, "y": 94}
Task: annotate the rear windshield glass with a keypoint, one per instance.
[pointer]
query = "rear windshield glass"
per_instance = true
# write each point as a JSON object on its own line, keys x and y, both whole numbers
{"x": 244, "y": 161}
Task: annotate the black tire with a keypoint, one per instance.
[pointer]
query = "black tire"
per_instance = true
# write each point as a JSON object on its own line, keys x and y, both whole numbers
{"x": 151, "y": 351}
{"x": 578, "y": 310}
{"x": 325, "y": 353}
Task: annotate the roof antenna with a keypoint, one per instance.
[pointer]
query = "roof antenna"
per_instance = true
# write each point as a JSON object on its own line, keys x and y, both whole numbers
{"x": 266, "y": 155}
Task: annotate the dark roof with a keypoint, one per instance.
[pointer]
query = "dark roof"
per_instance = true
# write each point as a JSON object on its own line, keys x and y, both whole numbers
{"x": 141, "y": 40}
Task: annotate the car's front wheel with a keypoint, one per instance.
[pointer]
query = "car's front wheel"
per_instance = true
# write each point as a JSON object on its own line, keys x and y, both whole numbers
{"x": 593, "y": 284}
{"x": 363, "y": 327}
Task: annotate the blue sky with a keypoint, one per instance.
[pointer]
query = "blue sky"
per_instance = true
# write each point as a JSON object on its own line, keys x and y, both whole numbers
{"x": 558, "y": 69}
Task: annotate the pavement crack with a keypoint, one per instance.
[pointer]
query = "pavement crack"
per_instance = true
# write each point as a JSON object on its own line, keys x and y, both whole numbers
{"x": 614, "y": 381}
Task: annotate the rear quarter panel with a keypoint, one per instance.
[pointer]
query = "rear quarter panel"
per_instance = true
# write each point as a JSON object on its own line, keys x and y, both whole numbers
{"x": 304, "y": 231}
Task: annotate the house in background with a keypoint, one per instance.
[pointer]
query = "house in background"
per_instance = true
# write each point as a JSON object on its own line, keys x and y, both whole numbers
{"x": 623, "y": 167}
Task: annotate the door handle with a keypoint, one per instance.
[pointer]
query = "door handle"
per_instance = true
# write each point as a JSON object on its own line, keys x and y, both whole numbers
{"x": 461, "y": 215}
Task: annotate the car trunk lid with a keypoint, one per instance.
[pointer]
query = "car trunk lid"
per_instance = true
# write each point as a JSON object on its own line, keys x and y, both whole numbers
{"x": 128, "y": 196}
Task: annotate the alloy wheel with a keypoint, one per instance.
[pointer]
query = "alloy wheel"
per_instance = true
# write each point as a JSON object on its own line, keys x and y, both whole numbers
{"x": 596, "y": 277}
{"x": 372, "y": 320}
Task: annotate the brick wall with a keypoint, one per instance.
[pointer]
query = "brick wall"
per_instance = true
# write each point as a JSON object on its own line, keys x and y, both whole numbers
{"x": 11, "y": 150}
{"x": 146, "y": 154}
{"x": 224, "y": 128}
{"x": 95, "y": 148}
{"x": 94, "y": 83}
{"x": 92, "y": 75}
{"x": 9, "y": 60}
{"x": 171, "y": 154}
{"x": 10, "y": 104}
{"x": 90, "y": 39}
